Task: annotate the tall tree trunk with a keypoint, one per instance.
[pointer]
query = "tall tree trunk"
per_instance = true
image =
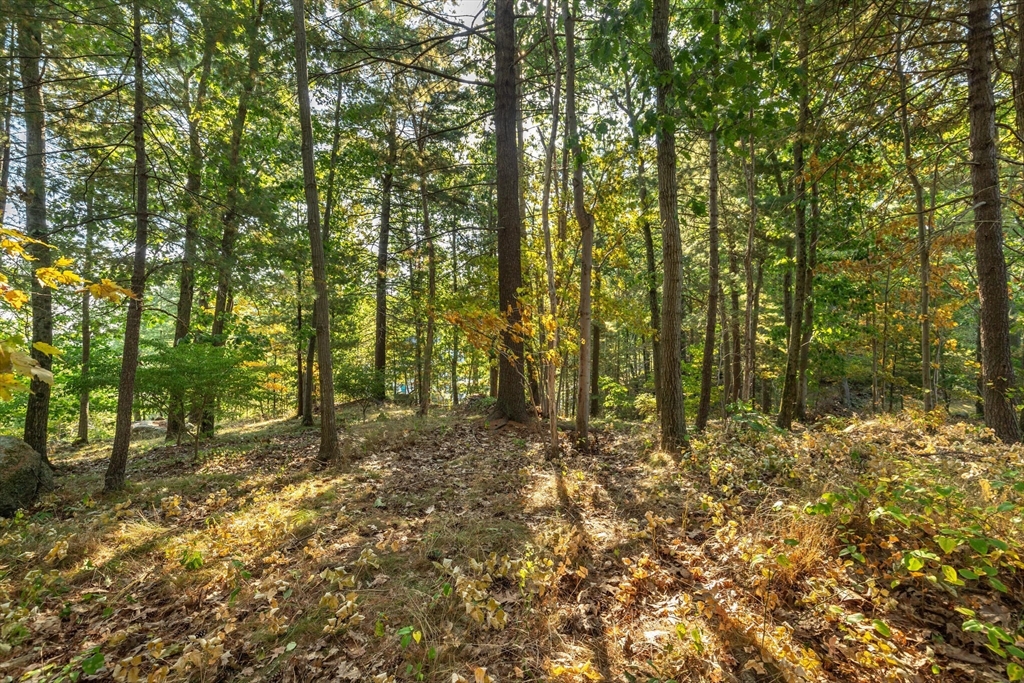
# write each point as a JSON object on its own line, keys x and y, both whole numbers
{"x": 1018, "y": 77}
{"x": 750, "y": 326}
{"x": 551, "y": 356}
{"x": 300, "y": 384}
{"x": 82, "y": 436}
{"x": 586, "y": 222}
{"x": 233, "y": 176}
{"x": 595, "y": 357}
{"x": 193, "y": 211}
{"x": 808, "y": 324}
{"x": 307, "y": 384}
{"x": 329, "y": 451}
{"x": 923, "y": 246}
{"x": 735, "y": 355}
{"x": 428, "y": 342}
{"x": 380, "y": 346}
{"x": 5, "y": 155}
{"x": 673, "y": 420}
{"x": 511, "y": 401}
{"x": 455, "y": 328}
{"x": 988, "y": 228}
{"x": 645, "y": 227}
{"x": 787, "y": 409}
{"x": 114, "y": 478}
{"x": 37, "y": 416}
{"x": 708, "y": 363}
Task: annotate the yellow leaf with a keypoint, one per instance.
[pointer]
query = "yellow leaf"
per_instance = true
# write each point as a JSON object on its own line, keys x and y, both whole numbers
{"x": 48, "y": 349}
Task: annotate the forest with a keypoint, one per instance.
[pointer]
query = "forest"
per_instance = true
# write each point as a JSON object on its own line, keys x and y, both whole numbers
{"x": 497, "y": 340}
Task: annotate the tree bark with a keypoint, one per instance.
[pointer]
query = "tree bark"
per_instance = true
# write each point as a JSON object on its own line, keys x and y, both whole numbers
{"x": 551, "y": 356}
{"x": 37, "y": 416}
{"x": 586, "y": 223}
{"x": 428, "y": 342}
{"x": 307, "y": 383}
{"x": 511, "y": 401}
{"x": 5, "y": 155}
{"x": 380, "y": 347}
{"x": 750, "y": 325}
{"x": 787, "y": 409}
{"x": 455, "y": 328}
{"x": 82, "y": 436}
{"x": 233, "y": 176}
{"x": 708, "y": 363}
{"x": 115, "y": 475}
{"x": 808, "y": 324}
{"x": 923, "y": 245}
{"x": 329, "y": 451}
{"x": 988, "y": 228}
{"x": 193, "y": 211}
{"x": 673, "y": 420}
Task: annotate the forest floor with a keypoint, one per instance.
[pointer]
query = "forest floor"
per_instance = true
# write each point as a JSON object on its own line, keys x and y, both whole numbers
{"x": 452, "y": 551}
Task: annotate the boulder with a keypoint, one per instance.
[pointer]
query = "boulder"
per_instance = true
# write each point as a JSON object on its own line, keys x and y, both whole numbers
{"x": 24, "y": 475}
{"x": 148, "y": 429}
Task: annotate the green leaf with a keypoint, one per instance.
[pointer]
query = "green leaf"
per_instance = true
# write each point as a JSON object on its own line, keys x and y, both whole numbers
{"x": 289, "y": 647}
{"x": 968, "y": 574}
{"x": 93, "y": 663}
{"x": 949, "y": 574}
{"x": 979, "y": 545}
{"x": 881, "y": 627}
{"x": 783, "y": 561}
{"x": 913, "y": 563}
{"x": 1014, "y": 671}
{"x": 947, "y": 544}
{"x": 1015, "y": 651}
{"x": 998, "y": 585}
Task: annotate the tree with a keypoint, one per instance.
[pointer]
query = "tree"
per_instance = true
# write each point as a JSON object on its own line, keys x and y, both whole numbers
{"x": 329, "y": 450}
{"x": 37, "y": 416}
{"x": 114, "y": 478}
{"x": 511, "y": 399}
{"x": 993, "y": 301}
{"x": 673, "y": 421}
{"x": 586, "y": 222}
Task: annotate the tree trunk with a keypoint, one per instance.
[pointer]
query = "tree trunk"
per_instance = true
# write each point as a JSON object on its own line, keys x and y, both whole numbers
{"x": 787, "y": 409}
{"x": 708, "y": 364}
{"x": 923, "y": 246}
{"x": 808, "y": 324}
{"x": 551, "y": 356}
{"x": 586, "y": 223}
{"x": 511, "y": 401}
{"x": 307, "y": 383}
{"x": 115, "y": 475}
{"x": 233, "y": 177}
{"x": 645, "y": 227}
{"x": 82, "y": 436}
{"x": 307, "y": 380}
{"x": 193, "y": 211}
{"x": 37, "y": 416}
{"x": 329, "y": 451}
{"x": 988, "y": 228}
{"x": 749, "y": 326}
{"x": 455, "y": 328}
{"x": 595, "y": 358}
{"x": 380, "y": 346}
{"x": 734, "y": 317}
{"x": 673, "y": 420}
{"x": 428, "y": 343}
{"x": 5, "y": 155}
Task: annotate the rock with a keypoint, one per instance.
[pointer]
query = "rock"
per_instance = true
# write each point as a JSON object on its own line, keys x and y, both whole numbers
{"x": 148, "y": 429}
{"x": 24, "y": 475}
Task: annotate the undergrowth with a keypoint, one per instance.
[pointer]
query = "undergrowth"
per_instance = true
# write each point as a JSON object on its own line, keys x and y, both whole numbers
{"x": 883, "y": 549}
